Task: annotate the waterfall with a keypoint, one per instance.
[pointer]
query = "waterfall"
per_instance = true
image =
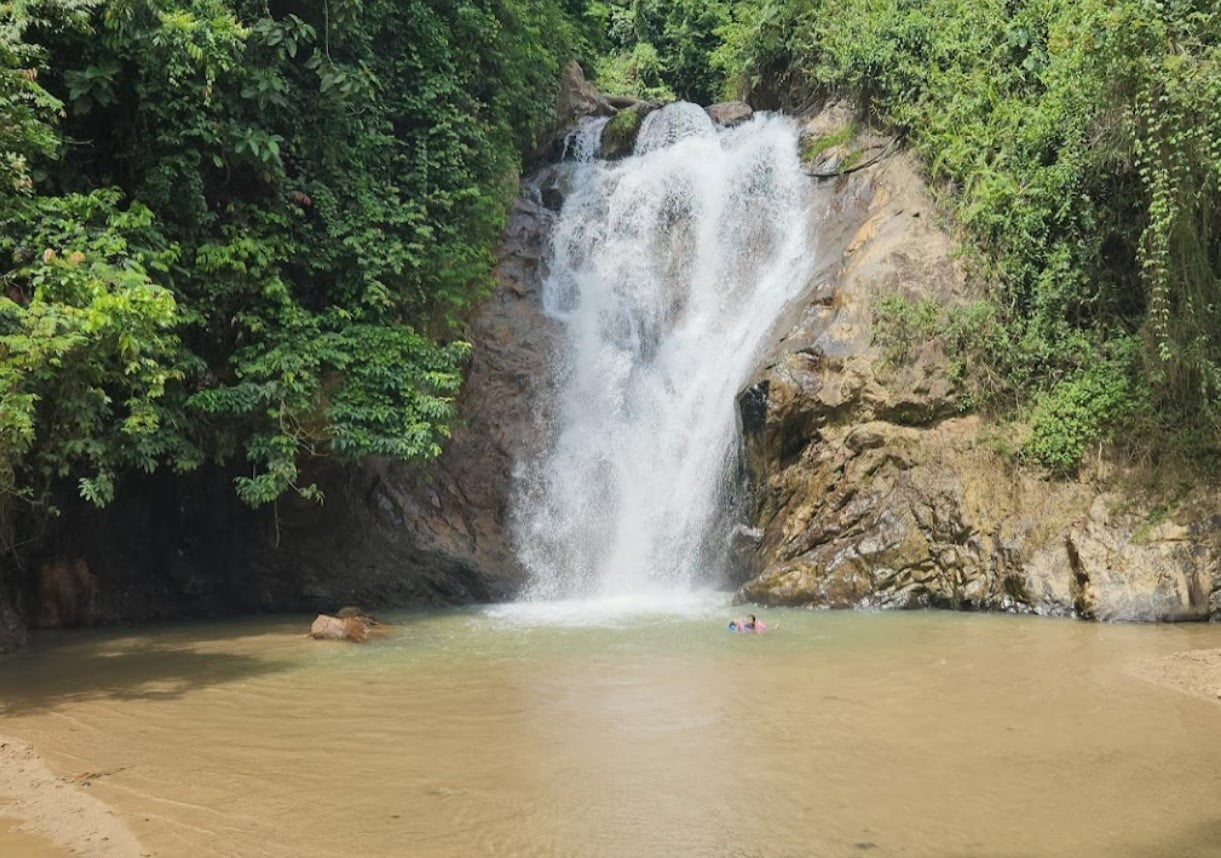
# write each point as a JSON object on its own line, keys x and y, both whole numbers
{"x": 668, "y": 270}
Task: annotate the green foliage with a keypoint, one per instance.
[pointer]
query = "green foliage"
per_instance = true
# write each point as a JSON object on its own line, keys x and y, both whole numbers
{"x": 1079, "y": 412}
{"x": 619, "y": 135}
{"x": 902, "y": 327}
{"x": 815, "y": 146}
{"x": 87, "y": 347}
{"x": 1078, "y": 143}
{"x": 639, "y": 72}
{"x": 234, "y": 229}
{"x": 662, "y": 49}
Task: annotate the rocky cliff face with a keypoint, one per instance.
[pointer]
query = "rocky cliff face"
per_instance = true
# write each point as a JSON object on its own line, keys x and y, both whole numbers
{"x": 871, "y": 490}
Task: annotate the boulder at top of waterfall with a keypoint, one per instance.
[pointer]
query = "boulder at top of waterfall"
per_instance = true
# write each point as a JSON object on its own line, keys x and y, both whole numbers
{"x": 729, "y": 113}
{"x": 622, "y": 102}
{"x": 576, "y": 100}
{"x": 619, "y": 135}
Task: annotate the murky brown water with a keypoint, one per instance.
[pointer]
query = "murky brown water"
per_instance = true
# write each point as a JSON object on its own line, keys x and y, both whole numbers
{"x": 838, "y": 735}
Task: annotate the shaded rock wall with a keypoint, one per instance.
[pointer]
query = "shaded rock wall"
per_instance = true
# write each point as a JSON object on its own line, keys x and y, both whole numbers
{"x": 391, "y": 533}
{"x": 871, "y": 490}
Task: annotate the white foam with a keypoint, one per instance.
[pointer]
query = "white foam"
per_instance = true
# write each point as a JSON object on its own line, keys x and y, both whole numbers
{"x": 612, "y": 610}
{"x": 668, "y": 270}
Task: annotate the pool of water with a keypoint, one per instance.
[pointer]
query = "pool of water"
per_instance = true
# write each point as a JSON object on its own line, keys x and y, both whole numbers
{"x": 631, "y": 730}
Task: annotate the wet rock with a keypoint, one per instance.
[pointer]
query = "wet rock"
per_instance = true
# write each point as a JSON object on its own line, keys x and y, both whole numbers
{"x": 66, "y": 594}
{"x": 619, "y": 135}
{"x": 577, "y": 99}
{"x": 730, "y": 113}
{"x": 350, "y": 624}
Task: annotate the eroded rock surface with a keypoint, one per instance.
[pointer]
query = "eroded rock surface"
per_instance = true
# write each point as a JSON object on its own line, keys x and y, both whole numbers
{"x": 391, "y": 533}
{"x": 872, "y": 490}
{"x": 577, "y": 99}
{"x": 729, "y": 113}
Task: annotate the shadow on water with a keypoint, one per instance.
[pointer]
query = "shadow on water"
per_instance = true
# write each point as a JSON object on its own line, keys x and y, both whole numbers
{"x": 139, "y": 669}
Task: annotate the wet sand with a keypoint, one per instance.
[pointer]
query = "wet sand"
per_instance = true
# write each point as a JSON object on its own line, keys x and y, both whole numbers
{"x": 1196, "y": 672}
{"x": 44, "y": 816}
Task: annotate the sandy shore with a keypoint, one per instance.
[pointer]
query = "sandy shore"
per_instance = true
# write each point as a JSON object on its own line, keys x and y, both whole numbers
{"x": 1196, "y": 672}
{"x": 44, "y": 816}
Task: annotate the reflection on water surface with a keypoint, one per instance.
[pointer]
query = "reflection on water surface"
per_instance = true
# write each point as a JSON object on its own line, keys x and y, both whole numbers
{"x": 573, "y": 730}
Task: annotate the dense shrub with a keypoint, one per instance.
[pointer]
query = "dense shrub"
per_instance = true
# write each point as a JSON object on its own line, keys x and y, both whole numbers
{"x": 233, "y": 228}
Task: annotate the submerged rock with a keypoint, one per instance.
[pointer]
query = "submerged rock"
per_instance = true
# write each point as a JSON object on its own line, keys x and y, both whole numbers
{"x": 66, "y": 594}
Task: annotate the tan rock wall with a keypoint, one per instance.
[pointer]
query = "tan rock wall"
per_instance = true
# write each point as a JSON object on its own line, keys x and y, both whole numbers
{"x": 871, "y": 489}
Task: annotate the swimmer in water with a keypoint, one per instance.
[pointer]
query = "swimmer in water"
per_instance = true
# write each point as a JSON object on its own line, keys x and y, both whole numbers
{"x": 750, "y": 624}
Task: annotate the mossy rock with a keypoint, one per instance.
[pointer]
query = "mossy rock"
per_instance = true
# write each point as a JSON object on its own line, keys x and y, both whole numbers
{"x": 619, "y": 135}
{"x": 814, "y": 148}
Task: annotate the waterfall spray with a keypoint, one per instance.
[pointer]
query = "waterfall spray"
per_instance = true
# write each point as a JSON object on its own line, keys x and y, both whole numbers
{"x": 668, "y": 270}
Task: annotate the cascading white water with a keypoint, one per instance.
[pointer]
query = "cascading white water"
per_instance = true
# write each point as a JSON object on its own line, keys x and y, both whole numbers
{"x": 667, "y": 272}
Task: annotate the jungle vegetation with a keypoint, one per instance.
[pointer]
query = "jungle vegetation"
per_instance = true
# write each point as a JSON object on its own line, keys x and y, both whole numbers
{"x": 1077, "y": 143}
{"x": 246, "y": 231}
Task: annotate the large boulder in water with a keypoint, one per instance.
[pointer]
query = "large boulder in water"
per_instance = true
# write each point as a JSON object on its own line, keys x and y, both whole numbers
{"x": 350, "y": 624}
{"x": 619, "y": 135}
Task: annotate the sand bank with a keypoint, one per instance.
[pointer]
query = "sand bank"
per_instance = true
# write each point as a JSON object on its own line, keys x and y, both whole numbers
{"x": 45, "y": 816}
{"x": 1196, "y": 672}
